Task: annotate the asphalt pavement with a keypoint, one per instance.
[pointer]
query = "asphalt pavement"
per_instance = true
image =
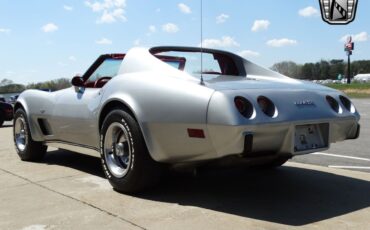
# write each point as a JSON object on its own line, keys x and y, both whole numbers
{"x": 350, "y": 154}
{"x": 68, "y": 191}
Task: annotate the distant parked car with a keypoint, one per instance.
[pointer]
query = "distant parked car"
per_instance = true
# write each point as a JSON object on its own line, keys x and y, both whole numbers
{"x": 6, "y": 112}
{"x": 46, "y": 90}
{"x": 13, "y": 99}
{"x": 2, "y": 99}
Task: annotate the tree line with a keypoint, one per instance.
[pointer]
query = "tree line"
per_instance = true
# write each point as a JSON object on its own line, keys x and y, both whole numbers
{"x": 8, "y": 86}
{"x": 321, "y": 70}
{"x": 310, "y": 71}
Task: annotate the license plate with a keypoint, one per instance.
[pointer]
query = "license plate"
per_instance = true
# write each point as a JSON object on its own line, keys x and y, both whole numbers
{"x": 310, "y": 137}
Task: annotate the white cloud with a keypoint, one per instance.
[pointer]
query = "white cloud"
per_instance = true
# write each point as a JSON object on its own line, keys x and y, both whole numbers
{"x": 111, "y": 10}
{"x": 106, "y": 18}
{"x": 184, "y": 8}
{"x": 248, "y": 53}
{"x": 72, "y": 58}
{"x": 68, "y": 8}
{"x": 221, "y": 18}
{"x": 137, "y": 42}
{"x": 106, "y": 5}
{"x": 309, "y": 12}
{"x": 360, "y": 37}
{"x": 112, "y": 16}
{"x": 104, "y": 41}
{"x": 225, "y": 41}
{"x": 281, "y": 42}
{"x": 152, "y": 29}
{"x": 50, "y": 27}
{"x": 259, "y": 25}
{"x": 170, "y": 28}
{"x": 5, "y": 30}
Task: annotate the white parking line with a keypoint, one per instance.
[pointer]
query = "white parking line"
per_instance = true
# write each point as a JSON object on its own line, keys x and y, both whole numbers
{"x": 348, "y": 167}
{"x": 341, "y": 156}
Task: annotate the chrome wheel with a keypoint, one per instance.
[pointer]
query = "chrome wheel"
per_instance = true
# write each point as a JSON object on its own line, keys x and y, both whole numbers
{"x": 20, "y": 133}
{"x": 117, "y": 149}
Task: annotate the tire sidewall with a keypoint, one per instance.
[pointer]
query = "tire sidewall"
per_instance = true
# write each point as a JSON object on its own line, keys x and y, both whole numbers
{"x": 2, "y": 118}
{"x": 120, "y": 117}
{"x": 21, "y": 114}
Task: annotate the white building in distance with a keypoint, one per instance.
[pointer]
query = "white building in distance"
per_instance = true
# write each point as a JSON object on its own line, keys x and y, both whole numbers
{"x": 364, "y": 77}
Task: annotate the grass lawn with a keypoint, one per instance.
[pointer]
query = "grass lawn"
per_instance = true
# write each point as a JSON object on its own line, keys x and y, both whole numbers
{"x": 355, "y": 90}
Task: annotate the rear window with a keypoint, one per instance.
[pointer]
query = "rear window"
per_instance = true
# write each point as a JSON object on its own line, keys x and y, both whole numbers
{"x": 213, "y": 64}
{"x": 174, "y": 61}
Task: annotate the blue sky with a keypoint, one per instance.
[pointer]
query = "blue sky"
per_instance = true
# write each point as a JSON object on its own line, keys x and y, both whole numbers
{"x": 43, "y": 40}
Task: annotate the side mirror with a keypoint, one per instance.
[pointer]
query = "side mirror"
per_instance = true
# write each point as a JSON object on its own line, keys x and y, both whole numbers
{"x": 77, "y": 81}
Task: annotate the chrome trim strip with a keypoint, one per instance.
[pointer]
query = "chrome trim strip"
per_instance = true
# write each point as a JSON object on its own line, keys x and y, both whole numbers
{"x": 74, "y": 147}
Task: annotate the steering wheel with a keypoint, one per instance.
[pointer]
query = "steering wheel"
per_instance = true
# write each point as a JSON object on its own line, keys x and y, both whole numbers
{"x": 101, "y": 81}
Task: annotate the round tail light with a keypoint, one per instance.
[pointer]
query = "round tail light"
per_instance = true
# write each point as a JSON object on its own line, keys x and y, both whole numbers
{"x": 347, "y": 104}
{"x": 267, "y": 106}
{"x": 334, "y": 104}
{"x": 244, "y": 107}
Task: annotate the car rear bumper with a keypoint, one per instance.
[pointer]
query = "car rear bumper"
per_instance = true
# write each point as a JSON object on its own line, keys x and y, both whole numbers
{"x": 278, "y": 138}
{"x": 172, "y": 145}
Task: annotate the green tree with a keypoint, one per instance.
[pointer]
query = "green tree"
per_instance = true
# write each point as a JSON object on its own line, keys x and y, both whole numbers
{"x": 321, "y": 70}
{"x": 288, "y": 68}
{"x": 307, "y": 71}
{"x": 12, "y": 88}
{"x": 5, "y": 82}
{"x": 324, "y": 69}
{"x": 52, "y": 85}
{"x": 336, "y": 68}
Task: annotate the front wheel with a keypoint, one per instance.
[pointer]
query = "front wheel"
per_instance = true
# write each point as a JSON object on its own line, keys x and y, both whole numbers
{"x": 124, "y": 156}
{"x": 27, "y": 149}
{"x": 1, "y": 120}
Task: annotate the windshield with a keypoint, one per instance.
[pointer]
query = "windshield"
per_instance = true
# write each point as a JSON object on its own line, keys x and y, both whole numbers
{"x": 109, "y": 68}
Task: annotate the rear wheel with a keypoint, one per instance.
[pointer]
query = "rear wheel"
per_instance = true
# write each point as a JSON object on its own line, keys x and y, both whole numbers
{"x": 125, "y": 158}
{"x": 276, "y": 163}
{"x": 27, "y": 149}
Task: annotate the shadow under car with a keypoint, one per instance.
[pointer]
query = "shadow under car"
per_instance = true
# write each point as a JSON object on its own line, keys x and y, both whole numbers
{"x": 287, "y": 195}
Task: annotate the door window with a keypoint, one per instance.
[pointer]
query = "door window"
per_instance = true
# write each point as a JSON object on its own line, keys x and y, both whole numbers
{"x": 109, "y": 68}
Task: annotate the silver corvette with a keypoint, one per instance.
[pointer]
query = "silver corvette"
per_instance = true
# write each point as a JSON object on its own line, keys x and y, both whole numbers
{"x": 163, "y": 106}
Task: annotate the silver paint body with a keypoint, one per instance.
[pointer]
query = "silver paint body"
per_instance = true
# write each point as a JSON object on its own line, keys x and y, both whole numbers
{"x": 166, "y": 102}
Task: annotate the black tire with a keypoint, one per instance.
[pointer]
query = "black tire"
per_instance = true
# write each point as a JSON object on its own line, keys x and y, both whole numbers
{"x": 276, "y": 163}
{"x": 141, "y": 170}
{"x": 31, "y": 150}
{"x": 270, "y": 164}
{"x": 1, "y": 119}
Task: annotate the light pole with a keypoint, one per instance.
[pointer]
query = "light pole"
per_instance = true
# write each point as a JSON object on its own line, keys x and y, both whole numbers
{"x": 349, "y": 47}
{"x": 349, "y": 70}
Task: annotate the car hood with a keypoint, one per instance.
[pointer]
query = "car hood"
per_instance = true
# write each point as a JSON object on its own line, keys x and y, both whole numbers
{"x": 222, "y": 83}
